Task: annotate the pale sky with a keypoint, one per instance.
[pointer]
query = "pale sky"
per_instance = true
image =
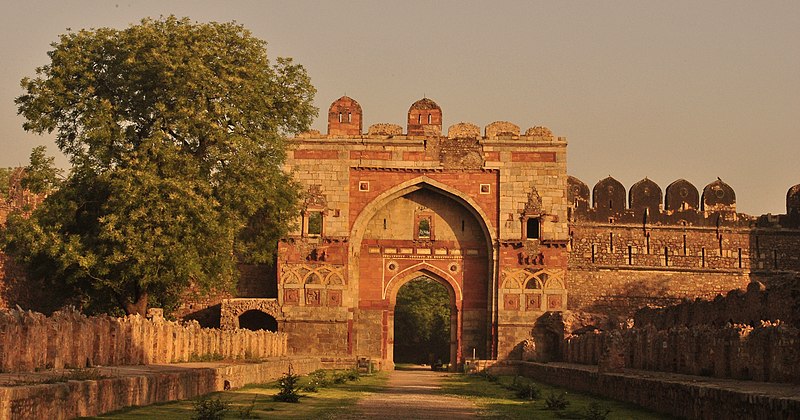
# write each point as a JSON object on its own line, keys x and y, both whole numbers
{"x": 662, "y": 89}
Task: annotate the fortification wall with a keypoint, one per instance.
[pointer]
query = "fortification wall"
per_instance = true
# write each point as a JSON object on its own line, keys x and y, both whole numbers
{"x": 30, "y": 341}
{"x": 769, "y": 352}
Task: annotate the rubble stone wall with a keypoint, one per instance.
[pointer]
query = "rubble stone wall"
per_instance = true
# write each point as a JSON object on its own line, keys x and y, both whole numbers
{"x": 768, "y": 353}
{"x": 30, "y": 341}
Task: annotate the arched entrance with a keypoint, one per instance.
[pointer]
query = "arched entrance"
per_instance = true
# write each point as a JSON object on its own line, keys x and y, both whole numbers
{"x": 423, "y": 229}
{"x": 256, "y": 320}
{"x": 423, "y": 337}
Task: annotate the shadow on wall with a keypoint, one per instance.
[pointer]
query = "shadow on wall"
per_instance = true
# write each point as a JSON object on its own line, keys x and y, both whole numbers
{"x": 546, "y": 337}
{"x": 19, "y": 289}
{"x": 207, "y": 317}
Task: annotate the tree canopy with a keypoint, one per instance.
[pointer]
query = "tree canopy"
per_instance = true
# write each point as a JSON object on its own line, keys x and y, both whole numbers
{"x": 422, "y": 322}
{"x": 174, "y": 130}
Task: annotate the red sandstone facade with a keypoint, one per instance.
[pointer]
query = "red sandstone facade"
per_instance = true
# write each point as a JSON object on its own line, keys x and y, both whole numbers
{"x": 526, "y": 252}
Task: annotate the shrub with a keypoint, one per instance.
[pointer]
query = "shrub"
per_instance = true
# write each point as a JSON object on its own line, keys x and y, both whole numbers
{"x": 339, "y": 377}
{"x": 288, "y": 387}
{"x": 316, "y": 380}
{"x": 596, "y": 412}
{"x": 528, "y": 392}
{"x": 556, "y": 401}
{"x": 352, "y": 375}
{"x": 246, "y": 412}
{"x": 209, "y": 409}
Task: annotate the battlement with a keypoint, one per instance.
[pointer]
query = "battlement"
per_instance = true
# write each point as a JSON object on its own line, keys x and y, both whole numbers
{"x": 345, "y": 121}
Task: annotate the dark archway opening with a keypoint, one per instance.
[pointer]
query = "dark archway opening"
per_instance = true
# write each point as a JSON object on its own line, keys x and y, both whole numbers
{"x": 422, "y": 323}
{"x": 256, "y": 320}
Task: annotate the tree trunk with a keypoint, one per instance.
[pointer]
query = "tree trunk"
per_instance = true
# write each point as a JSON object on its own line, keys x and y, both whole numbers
{"x": 138, "y": 307}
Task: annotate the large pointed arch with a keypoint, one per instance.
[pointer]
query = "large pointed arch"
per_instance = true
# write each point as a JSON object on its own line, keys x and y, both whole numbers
{"x": 422, "y": 182}
{"x": 423, "y": 269}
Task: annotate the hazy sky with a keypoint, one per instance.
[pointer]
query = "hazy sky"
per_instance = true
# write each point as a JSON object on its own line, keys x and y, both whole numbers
{"x": 667, "y": 90}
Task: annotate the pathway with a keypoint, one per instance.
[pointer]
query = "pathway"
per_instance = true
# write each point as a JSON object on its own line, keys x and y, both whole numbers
{"x": 414, "y": 394}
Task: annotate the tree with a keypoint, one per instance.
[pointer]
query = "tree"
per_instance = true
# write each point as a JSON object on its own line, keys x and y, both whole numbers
{"x": 422, "y": 322}
{"x": 174, "y": 131}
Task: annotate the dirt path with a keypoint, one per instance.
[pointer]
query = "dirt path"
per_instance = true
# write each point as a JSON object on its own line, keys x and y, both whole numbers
{"x": 414, "y": 394}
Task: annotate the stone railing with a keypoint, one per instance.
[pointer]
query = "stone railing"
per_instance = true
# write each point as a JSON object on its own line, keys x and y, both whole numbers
{"x": 31, "y": 341}
{"x": 769, "y": 352}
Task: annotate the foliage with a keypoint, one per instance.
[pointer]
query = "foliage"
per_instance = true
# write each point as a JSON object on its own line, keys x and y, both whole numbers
{"x": 288, "y": 387}
{"x": 422, "y": 322}
{"x": 528, "y": 392}
{"x": 5, "y": 180}
{"x": 596, "y": 412}
{"x": 209, "y": 409}
{"x": 246, "y": 411}
{"x": 316, "y": 380}
{"x": 556, "y": 401}
{"x": 174, "y": 130}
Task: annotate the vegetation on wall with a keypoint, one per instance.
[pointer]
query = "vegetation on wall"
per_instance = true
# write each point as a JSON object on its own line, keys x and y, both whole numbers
{"x": 422, "y": 322}
{"x": 174, "y": 130}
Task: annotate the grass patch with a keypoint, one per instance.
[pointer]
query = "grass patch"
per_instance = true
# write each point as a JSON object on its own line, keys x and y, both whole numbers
{"x": 256, "y": 401}
{"x": 498, "y": 397}
{"x": 71, "y": 375}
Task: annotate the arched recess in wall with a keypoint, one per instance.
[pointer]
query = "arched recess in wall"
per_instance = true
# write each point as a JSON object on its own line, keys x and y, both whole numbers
{"x": 681, "y": 195}
{"x": 257, "y": 320}
{"x": 404, "y": 188}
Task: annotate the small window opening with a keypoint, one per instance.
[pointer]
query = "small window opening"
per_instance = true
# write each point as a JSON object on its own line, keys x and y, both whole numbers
{"x": 720, "y": 245}
{"x": 424, "y": 228}
{"x": 647, "y": 240}
{"x": 340, "y": 117}
{"x": 630, "y": 255}
{"x": 775, "y": 259}
{"x": 684, "y": 244}
{"x": 315, "y": 223}
{"x": 703, "y": 257}
{"x": 666, "y": 256}
{"x": 532, "y": 228}
{"x": 384, "y": 224}
{"x": 463, "y": 225}
{"x": 611, "y": 204}
{"x": 740, "y": 257}
{"x": 419, "y": 119}
{"x": 571, "y": 234}
{"x": 594, "y": 251}
{"x": 611, "y": 242}
{"x": 429, "y": 118}
{"x": 349, "y": 117}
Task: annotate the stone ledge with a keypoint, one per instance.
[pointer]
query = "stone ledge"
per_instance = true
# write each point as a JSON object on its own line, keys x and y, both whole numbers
{"x": 686, "y": 396}
{"x": 145, "y": 385}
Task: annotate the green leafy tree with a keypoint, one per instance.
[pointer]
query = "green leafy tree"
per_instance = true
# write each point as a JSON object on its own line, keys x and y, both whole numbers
{"x": 175, "y": 132}
{"x": 422, "y": 322}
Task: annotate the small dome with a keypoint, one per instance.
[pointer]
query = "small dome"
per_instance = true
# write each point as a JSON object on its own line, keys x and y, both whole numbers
{"x": 501, "y": 129}
{"x": 344, "y": 117}
{"x": 424, "y": 104}
{"x": 463, "y": 130}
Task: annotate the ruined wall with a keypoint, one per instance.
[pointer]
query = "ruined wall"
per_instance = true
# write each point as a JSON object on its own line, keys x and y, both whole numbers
{"x": 31, "y": 341}
{"x": 779, "y": 302}
{"x": 769, "y": 352}
{"x": 629, "y": 251}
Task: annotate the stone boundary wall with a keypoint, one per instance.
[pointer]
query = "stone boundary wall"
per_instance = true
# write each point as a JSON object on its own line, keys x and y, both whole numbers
{"x": 30, "y": 341}
{"x": 779, "y": 301}
{"x": 676, "y": 396}
{"x": 173, "y": 382}
{"x": 768, "y": 352}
